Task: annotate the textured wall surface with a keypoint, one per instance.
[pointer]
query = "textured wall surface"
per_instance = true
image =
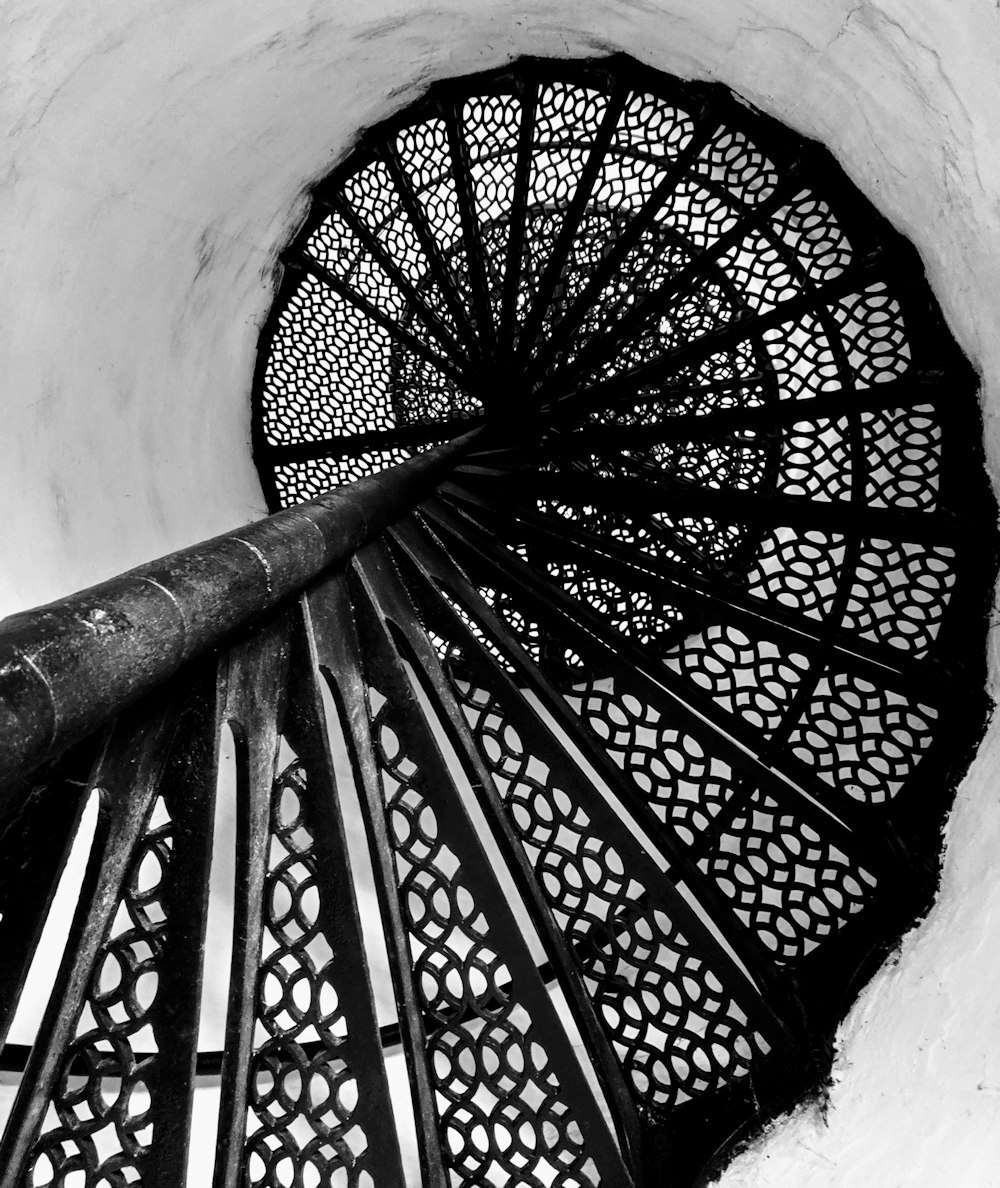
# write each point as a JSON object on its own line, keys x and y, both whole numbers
{"x": 153, "y": 165}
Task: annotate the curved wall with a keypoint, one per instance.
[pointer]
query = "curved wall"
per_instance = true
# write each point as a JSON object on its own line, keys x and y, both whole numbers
{"x": 153, "y": 167}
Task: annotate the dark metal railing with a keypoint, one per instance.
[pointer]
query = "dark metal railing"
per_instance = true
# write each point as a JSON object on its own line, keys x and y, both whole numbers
{"x": 158, "y": 660}
{"x": 67, "y": 668}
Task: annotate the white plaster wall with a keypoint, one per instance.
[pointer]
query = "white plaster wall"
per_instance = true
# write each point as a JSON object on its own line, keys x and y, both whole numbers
{"x": 153, "y": 165}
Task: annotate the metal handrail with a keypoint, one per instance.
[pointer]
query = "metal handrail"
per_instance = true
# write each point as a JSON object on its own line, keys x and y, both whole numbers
{"x": 68, "y": 667}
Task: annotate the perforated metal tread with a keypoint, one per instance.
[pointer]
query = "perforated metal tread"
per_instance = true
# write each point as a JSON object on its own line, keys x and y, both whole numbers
{"x": 725, "y": 550}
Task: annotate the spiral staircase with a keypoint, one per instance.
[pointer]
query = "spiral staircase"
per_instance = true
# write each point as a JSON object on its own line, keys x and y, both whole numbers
{"x": 628, "y": 574}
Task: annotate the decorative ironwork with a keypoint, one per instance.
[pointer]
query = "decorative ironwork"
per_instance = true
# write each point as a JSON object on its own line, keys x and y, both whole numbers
{"x": 652, "y": 693}
{"x": 721, "y": 514}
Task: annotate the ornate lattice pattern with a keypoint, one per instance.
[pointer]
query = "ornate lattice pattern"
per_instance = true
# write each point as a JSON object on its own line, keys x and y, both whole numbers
{"x": 677, "y": 1033}
{"x": 633, "y": 612}
{"x": 900, "y": 593}
{"x": 98, "y": 1128}
{"x": 751, "y": 678}
{"x": 791, "y": 887}
{"x": 300, "y": 481}
{"x": 500, "y": 1108}
{"x": 685, "y": 785}
{"x": 863, "y": 739}
{"x": 799, "y": 570}
{"x": 303, "y": 1092}
{"x": 325, "y": 348}
{"x": 722, "y": 504}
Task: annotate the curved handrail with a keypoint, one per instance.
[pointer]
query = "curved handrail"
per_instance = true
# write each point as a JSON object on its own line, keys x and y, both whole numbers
{"x": 70, "y": 666}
